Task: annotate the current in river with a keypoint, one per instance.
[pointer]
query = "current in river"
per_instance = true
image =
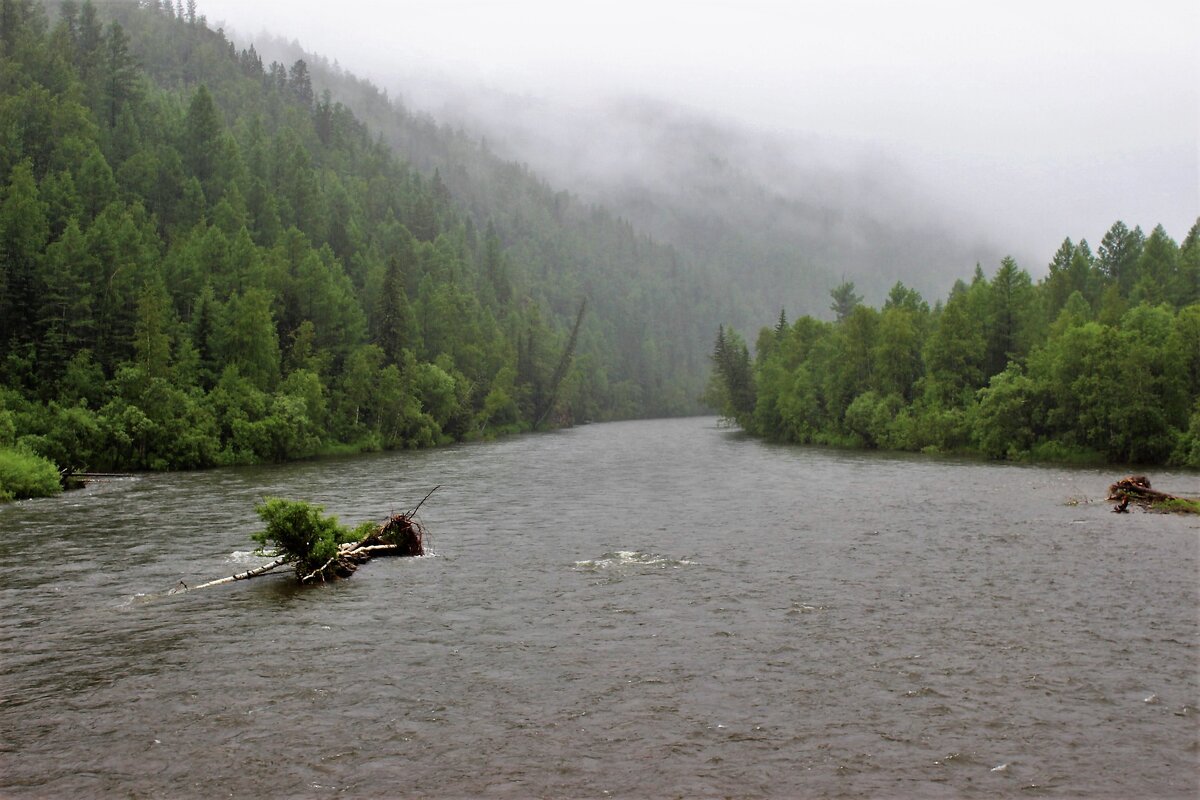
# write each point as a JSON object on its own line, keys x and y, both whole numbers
{"x": 642, "y": 609}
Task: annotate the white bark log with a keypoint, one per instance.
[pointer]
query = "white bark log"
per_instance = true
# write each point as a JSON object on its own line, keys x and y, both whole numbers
{"x": 241, "y": 576}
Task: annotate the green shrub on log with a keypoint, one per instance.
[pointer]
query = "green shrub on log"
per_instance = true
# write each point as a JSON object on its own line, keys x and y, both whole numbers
{"x": 299, "y": 532}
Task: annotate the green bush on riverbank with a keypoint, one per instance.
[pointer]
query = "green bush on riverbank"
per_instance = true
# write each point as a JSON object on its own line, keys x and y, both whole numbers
{"x": 24, "y": 474}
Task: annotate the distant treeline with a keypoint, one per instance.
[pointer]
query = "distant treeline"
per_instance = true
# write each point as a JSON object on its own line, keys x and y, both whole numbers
{"x": 203, "y": 261}
{"x": 1098, "y": 361}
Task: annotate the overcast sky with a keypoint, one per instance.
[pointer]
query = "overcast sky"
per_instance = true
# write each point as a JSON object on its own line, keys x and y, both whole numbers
{"x": 1047, "y": 118}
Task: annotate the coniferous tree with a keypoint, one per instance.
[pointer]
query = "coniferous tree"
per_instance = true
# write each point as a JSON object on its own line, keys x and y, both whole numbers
{"x": 65, "y": 316}
{"x": 494, "y": 266}
{"x": 24, "y": 232}
{"x": 1058, "y": 282}
{"x": 394, "y": 314}
{"x": 1189, "y": 268}
{"x": 120, "y": 73}
{"x": 1158, "y": 270}
{"x": 300, "y": 83}
{"x": 205, "y": 315}
{"x": 200, "y": 146}
{"x": 154, "y": 330}
{"x": 247, "y": 339}
{"x": 68, "y": 15}
{"x": 90, "y": 42}
{"x": 96, "y": 185}
{"x": 1012, "y": 296}
{"x": 15, "y": 16}
{"x": 731, "y": 360}
{"x": 1118, "y": 254}
{"x": 845, "y": 300}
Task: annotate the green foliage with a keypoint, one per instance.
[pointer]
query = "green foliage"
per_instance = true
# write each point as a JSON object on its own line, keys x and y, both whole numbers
{"x": 869, "y": 417}
{"x": 299, "y": 532}
{"x": 208, "y": 260}
{"x": 1004, "y": 420}
{"x": 24, "y": 231}
{"x": 845, "y": 300}
{"x": 731, "y": 361}
{"x": 24, "y": 474}
{"x": 8, "y": 428}
{"x": 1187, "y": 450}
{"x": 987, "y": 372}
{"x": 1178, "y": 505}
{"x": 71, "y": 437}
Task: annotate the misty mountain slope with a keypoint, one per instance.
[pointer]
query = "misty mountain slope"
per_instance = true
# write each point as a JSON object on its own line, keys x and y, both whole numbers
{"x": 650, "y": 317}
{"x": 766, "y": 219}
{"x": 789, "y": 216}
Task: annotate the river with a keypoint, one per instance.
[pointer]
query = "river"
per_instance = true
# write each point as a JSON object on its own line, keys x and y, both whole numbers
{"x": 642, "y": 609}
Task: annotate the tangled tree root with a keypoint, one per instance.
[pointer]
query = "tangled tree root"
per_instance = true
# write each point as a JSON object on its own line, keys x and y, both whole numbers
{"x": 400, "y": 535}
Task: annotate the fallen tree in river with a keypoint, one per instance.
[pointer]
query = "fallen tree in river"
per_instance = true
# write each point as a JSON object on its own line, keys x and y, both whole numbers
{"x": 1136, "y": 490}
{"x": 321, "y": 549}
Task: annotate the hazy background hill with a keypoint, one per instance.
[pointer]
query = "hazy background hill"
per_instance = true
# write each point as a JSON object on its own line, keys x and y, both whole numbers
{"x": 787, "y": 214}
{"x": 774, "y": 219}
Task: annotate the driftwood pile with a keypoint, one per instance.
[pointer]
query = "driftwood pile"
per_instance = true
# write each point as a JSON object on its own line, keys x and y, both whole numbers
{"x": 1136, "y": 489}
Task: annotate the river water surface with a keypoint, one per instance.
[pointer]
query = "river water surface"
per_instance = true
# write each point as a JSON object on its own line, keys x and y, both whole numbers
{"x": 646, "y": 609}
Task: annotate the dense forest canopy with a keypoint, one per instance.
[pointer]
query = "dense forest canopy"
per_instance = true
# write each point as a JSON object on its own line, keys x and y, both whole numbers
{"x": 208, "y": 261}
{"x": 1100, "y": 360}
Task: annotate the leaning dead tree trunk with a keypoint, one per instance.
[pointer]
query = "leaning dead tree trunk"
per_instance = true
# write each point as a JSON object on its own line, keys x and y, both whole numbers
{"x": 320, "y": 549}
{"x": 564, "y": 364}
{"x": 1136, "y": 489}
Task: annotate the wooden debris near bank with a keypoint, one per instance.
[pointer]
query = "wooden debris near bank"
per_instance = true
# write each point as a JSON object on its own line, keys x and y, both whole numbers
{"x": 399, "y": 535}
{"x": 1136, "y": 489}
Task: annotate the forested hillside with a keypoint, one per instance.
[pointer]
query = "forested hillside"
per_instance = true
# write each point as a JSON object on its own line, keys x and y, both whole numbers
{"x": 1098, "y": 361}
{"x": 651, "y": 301}
{"x": 205, "y": 260}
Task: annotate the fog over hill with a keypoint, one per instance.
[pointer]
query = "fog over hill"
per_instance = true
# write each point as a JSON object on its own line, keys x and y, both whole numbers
{"x": 786, "y": 215}
{"x": 875, "y": 141}
{"x": 791, "y": 214}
